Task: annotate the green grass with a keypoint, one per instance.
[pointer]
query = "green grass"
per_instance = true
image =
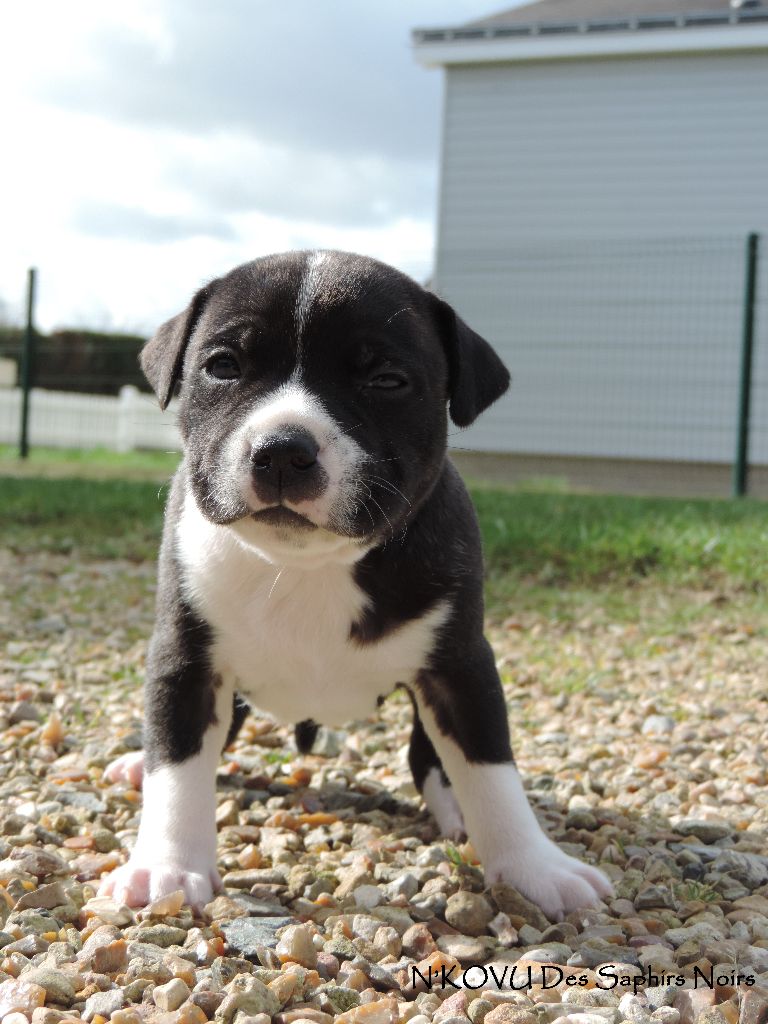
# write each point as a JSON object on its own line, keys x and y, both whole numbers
{"x": 92, "y": 463}
{"x": 586, "y": 539}
{"x": 543, "y": 541}
{"x": 96, "y": 518}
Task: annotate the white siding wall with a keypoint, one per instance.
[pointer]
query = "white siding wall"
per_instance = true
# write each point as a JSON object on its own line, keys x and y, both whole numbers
{"x": 592, "y": 225}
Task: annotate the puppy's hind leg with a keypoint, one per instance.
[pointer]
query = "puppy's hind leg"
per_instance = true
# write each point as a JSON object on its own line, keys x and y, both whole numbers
{"x": 305, "y": 734}
{"x": 240, "y": 711}
{"x": 432, "y": 782}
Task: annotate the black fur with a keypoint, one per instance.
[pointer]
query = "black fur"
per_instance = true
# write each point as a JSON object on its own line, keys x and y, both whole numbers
{"x": 422, "y": 756}
{"x": 163, "y": 355}
{"x": 477, "y": 375}
{"x": 305, "y": 734}
{"x": 179, "y": 695}
{"x": 440, "y": 556}
{"x": 240, "y": 711}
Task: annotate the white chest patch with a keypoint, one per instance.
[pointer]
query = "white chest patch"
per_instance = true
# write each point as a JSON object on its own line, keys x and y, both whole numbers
{"x": 283, "y": 632}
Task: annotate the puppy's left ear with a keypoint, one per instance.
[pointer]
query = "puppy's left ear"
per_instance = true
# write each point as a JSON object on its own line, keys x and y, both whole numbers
{"x": 476, "y": 375}
{"x": 163, "y": 355}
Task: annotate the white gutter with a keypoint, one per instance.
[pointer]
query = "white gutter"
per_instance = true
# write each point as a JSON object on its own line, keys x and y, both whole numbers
{"x": 588, "y": 44}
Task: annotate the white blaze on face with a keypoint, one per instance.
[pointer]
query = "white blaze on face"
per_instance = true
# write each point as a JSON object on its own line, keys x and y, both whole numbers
{"x": 306, "y": 294}
{"x": 339, "y": 456}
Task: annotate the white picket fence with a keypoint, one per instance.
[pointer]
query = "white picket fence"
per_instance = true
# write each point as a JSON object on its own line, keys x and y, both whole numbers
{"x": 63, "y": 419}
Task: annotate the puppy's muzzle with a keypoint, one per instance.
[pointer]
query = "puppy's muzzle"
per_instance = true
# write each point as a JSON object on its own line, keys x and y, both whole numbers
{"x": 285, "y": 467}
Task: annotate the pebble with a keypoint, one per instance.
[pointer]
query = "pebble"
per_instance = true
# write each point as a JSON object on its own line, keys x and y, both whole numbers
{"x": 58, "y": 987}
{"x": 749, "y": 868}
{"x": 45, "y": 897}
{"x": 468, "y": 950}
{"x": 246, "y": 995}
{"x": 507, "y": 1014}
{"x": 666, "y": 1015}
{"x": 378, "y": 1011}
{"x": 168, "y": 906}
{"x": 171, "y": 995}
{"x": 479, "y": 1009}
{"x": 23, "y": 711}
{"x": 579, "y": 1018}
{"x": 653, "y": 896}
{"x": 111, "y": 957}
{"x": 631, "y": 1007}
{"x": 581, "y": 817}
{"x": 418, "y": 942}
{"x": 706, "y": 831}
{"x": 469, "y": 913}
{"x": 595, "y": 955}
{"x": 163, "y": 935}
{"x": 700, "y": 932}
{"x": 103, "y": 1003}
{"x": 247, "y": 935}
{"x": 20, "y": 996}
{"x": 660, "y": 995}
{"x": 655, "y": 725}
{"x": 404, "y": 885}
{"x": 296, "y": 944}
{"x": 514, "y": 904}
{"x": 367, "y": 896}
{"x": 553, "y": 952}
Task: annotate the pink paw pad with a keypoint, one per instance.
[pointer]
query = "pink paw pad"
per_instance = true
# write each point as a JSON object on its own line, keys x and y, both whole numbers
{"x": 136, "y": 885}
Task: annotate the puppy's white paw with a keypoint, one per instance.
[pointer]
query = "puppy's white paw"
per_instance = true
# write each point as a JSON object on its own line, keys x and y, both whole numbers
{"x": 453, "y": 830}
{"x": 550, "y": 878}
{"x": 127, "y": 768}
{"x": 140, "y": 882}
{"x": 444, "y": 806}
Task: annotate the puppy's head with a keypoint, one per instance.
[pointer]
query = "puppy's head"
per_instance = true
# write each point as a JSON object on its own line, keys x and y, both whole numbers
{"x": 313, "y": 396}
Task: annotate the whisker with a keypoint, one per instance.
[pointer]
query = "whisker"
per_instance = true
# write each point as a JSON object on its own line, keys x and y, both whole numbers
{"x": 373, "y": 524}
{"x": 378, "y": 506}
{"x": 393, "y": 487}
{"x": 274, "y": 583}
{"x": 384, "y": 485}
{"x": 405, "y": 309}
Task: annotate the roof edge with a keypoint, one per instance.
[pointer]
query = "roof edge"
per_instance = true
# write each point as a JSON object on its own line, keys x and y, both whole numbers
{"x": 612, "y": 37}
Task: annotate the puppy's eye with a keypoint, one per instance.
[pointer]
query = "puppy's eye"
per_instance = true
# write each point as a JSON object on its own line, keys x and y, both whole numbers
{"x": 223, "y": 367}
{"x": 387, "y": 381}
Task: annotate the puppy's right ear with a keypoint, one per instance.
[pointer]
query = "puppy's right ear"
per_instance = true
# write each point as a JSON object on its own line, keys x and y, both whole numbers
{"x": 162, "y": 357}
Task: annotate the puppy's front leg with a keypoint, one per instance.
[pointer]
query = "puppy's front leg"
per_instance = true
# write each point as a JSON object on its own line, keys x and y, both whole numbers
{"x": 188, "y": 710}
{"x": 463, "y": 710}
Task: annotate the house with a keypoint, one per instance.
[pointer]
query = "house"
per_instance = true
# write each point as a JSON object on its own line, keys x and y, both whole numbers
{"x": 603, "y": 162}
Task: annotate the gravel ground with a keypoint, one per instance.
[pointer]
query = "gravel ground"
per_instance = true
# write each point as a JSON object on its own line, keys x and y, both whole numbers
{"x": 642, "y": 750}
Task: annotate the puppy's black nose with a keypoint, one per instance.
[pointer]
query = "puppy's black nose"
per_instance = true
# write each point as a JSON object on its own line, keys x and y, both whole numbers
{"x": 284, "y": 465}
{"x": 286, "y": 452}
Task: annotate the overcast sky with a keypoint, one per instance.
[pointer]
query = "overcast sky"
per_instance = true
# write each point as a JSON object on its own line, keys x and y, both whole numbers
{"x": 153, "y": 144}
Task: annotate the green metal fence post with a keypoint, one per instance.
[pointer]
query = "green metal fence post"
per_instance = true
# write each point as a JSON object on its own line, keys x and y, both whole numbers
{"x": 27, "y": 363}
{"x": 741, "y": 463}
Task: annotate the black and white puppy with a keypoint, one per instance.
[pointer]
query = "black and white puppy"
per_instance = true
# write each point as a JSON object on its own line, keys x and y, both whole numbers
{"x": 321, "y": 550}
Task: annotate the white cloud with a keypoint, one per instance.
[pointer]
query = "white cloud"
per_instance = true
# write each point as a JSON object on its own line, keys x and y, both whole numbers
{"x": 158, "y": 143}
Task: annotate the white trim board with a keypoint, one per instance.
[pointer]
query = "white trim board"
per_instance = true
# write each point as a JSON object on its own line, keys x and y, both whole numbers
{"x": 585, "y": 45}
